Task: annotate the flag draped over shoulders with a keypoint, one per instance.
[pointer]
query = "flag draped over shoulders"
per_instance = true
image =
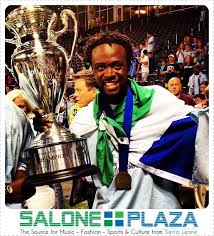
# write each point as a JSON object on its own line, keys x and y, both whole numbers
{"x": 162, "y": 137}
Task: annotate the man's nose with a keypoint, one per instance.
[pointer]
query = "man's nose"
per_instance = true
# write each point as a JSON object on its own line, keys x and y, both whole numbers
{"x": 109, "y": 72}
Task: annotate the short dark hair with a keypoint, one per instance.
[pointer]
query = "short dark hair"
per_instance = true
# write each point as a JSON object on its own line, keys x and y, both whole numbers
{"x": 200, "y": 95}
{"x": 108, "y": 37}
{"x": 145, "y": 52}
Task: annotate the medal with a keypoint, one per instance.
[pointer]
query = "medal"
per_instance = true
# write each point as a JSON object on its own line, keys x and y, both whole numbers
{"x": 123, "y": 181}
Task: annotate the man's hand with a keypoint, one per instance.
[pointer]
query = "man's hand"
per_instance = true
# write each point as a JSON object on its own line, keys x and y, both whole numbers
{"x": 41, "y": 122}
{"x": 21, "y": 188}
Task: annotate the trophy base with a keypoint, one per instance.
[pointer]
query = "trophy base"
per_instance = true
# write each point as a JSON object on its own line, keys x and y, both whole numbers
{"x": 63, "y": 175}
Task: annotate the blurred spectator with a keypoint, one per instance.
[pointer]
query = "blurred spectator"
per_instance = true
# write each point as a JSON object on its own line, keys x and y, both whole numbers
{"x": 144, "y": 66}
{"x": 201, "y": 101}
{"x": 195, "y": 43}
{"x": 150, "y": 42}
{"x": 187, "y": 40}
{"x": 188, "y": 51}
{"x": 175, "y": 87}
{"x": 163, "y": 66}
{"x": 180, "y": 54}
{"x": 132, "y": 73}
{"x": 22, "y": 101}
{"x": 187, "y": 70}
{"x": 172, "y": 70}
{"x": 195, "y": 80}
{"x": 203, "y": 86}
{"x": 152, "y": 63}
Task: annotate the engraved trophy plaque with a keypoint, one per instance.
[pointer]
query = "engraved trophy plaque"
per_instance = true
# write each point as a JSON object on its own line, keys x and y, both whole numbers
{"x": 41, "y": 66}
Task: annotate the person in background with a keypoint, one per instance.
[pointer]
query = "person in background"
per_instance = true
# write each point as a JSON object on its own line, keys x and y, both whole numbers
{"x": 85, "y": 87}
{"x": 152, "y": 63}
{"x": 22, "y": 101}
{"x": 187, "y": 71}
{"x": 180, "y": 55}
{"x": 163, "y": 66}
{"x": 195, "y": 80}
{"x": 150, "y": 42}
{"x": 85, "y": 91}
{"x": 19, "y": 191}
{"x": 201, "y": 101}
{"x": 203, "y": 86}
{"x": 175, "y": 87}
{"x": 144, "y": 66}
{"x": 172, "y": 70}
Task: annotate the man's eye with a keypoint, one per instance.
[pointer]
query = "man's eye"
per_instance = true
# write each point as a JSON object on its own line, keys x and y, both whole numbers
{"x": 100, "y": 68}
{"x": 117, "y": 66}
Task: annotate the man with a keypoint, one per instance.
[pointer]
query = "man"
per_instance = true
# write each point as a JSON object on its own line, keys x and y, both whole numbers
{"x": 175, "y": 87}
{"x": 150, "y": 42}
{"x": 18, "y": 135}
{"x": 195, "y": 80}
{"x": 85, "y": 91}
{"x": 127, "y": 127}
{"x": 85, "y": 87}
{"x": 122, "y": 147}
{"x": 144, "y": 66}
{"x": 172, "y": 69}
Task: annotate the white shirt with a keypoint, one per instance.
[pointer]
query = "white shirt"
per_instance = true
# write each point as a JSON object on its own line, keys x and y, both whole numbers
{"x": 144, "y": 68}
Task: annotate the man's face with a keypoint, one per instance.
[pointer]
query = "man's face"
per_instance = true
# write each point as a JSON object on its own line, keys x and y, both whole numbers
{"x": 83, "y": 94}
{"x": 110, "y": 68}
{"x": 188, "y": 59}
{"x": 198, "y": 100}
{"x": 171, "y": 60}
{"x": 174, "y": 86}
{"x": 188, "y": 48}
{"x": 202, "y": 88}
{"x": 196, "y": 70}
{"x": 21, "y": 103}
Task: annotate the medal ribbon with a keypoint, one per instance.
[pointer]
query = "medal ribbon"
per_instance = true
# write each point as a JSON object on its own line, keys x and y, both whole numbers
{"x": 127, "y": 124}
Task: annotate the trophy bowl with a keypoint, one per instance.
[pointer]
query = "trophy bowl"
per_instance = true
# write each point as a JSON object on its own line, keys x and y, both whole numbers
{"x": 41, "y": 66}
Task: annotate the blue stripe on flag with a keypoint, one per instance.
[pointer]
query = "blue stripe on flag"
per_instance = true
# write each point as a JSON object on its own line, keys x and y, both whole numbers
{"x": 174, "y": 151}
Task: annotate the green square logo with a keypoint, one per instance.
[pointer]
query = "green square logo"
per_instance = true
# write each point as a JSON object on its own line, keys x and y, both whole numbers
{"x": 118, "y": 214}
{"x": 108, "y": 223}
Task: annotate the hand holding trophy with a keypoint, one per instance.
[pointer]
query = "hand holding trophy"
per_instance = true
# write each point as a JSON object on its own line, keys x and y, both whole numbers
{"x": 41, "y": 66}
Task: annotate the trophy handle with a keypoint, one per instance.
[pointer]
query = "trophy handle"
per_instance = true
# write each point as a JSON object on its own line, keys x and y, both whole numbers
{"x": 10, "y": 70}
{"x": 53, "y": 35}
{"x": 16, "y": 40}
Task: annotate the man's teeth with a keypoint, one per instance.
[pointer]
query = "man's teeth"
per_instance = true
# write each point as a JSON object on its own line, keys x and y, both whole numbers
{"x": 110, "y": 83}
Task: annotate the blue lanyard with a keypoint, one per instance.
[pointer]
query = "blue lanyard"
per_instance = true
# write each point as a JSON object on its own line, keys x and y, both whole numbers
{"x": 127, "y": 124}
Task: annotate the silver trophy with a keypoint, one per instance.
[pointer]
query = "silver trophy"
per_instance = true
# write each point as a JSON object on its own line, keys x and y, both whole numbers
{"x": 41, "y": 66}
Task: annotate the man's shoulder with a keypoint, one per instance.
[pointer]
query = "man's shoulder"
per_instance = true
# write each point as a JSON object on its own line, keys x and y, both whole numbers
{"x": 187, "y": 99}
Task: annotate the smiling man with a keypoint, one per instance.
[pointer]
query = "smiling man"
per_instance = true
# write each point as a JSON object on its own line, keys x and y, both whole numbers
{"x": 127, "y": 128}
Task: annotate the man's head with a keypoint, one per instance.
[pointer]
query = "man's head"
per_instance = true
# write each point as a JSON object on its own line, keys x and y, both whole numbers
{"x": 188, "y": 47}
{"x": 196, "y": 69}
{"x": 188, "y": 59}
{"x": 20, "y": 99}
{"x": 149, "y": 34}
{"x": 171, "y": 59}
{"x": 175, "y": 86}
{"x": 145, "y": 52}
{"x": 199, "y": 98}
{"x": 110, "y": 54}
{"x": 85, "y": 87}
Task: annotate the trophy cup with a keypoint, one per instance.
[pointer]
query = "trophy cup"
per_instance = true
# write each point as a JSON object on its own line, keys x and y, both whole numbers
{"x": 41, "y": 66}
